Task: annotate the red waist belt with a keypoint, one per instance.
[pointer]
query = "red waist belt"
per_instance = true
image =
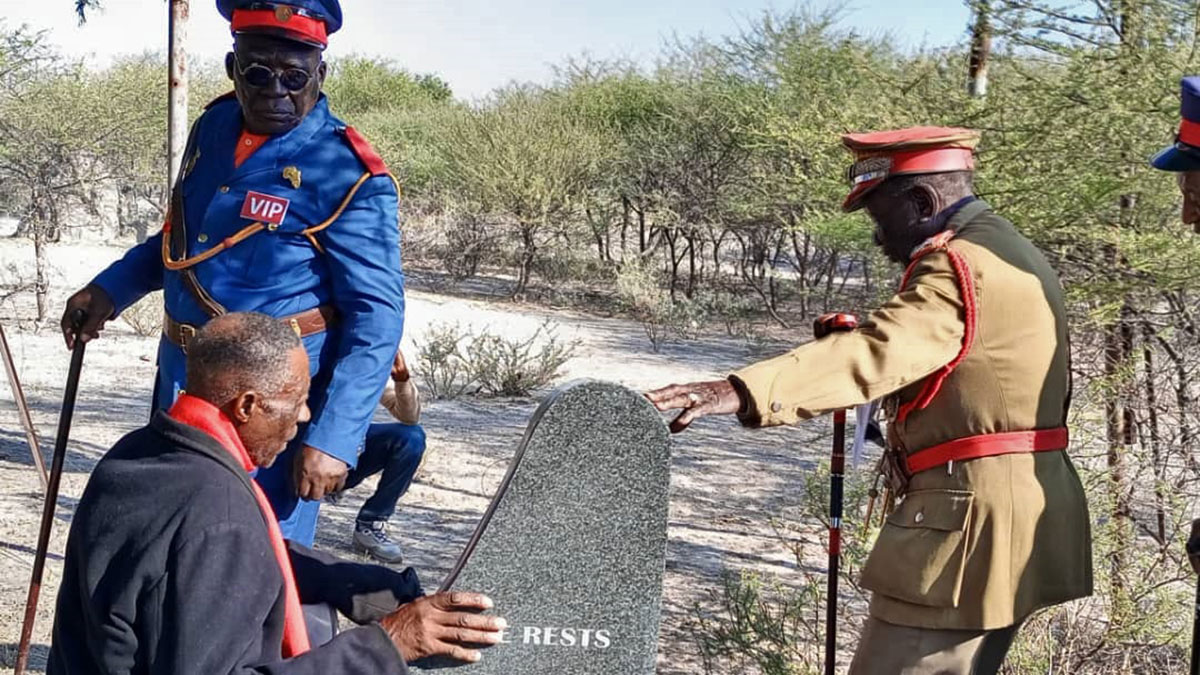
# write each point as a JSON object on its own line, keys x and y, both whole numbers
{"x": 987, "y": 445}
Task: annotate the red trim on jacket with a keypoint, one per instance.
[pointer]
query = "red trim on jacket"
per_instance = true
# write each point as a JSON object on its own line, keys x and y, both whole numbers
{"x": 366, "y": 154}
{"x": 198, "y": 413}
{"x": 966, "y": 288}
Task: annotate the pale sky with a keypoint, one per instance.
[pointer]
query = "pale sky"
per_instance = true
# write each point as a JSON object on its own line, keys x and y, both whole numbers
{"x": 477, "y": 45}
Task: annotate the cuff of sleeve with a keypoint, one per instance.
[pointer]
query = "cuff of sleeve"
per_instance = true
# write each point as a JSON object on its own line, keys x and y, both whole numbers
{"x": 118, "y": 290}
{"x": 376, "y": 639}
{"x": 330, "y": 434}
{"x": 761, "y": 405}
{"x": 748, "y": 414}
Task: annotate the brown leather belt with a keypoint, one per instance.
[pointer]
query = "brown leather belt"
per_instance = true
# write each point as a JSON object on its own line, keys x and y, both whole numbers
{"x": 308, "y": 322}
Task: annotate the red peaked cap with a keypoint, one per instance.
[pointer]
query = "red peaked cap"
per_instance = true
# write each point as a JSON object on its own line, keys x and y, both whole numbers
{"x": 881, "y": 154}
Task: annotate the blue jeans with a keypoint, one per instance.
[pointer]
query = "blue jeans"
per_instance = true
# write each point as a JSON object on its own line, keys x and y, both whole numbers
{"x": 395, "y": 450}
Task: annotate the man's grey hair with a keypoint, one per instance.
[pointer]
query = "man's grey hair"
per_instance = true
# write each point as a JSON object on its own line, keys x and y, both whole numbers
{"x": 952, "y": 184}
{"x": 238, "y": 352}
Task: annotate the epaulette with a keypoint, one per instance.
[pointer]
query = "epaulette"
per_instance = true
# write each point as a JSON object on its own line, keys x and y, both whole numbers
{"x": 937, "y": 242}
{"x": 365, "y": 153}
{"x": 221, "y": 99}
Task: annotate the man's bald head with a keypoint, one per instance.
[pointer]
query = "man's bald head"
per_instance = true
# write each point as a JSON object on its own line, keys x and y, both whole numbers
{"x": 239, "y": 352}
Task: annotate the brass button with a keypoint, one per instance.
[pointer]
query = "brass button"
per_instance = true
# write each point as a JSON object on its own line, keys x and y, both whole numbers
{"x": 272, "y": 226}
{"x": 202, "y": 237}
{"x": 919, "y": 518}
{"x": 776, "y": 407}
{"x": 224, "y": 188}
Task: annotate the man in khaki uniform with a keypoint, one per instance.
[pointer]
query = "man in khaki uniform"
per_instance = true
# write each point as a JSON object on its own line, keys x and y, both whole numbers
{"x": 971, "y": 357}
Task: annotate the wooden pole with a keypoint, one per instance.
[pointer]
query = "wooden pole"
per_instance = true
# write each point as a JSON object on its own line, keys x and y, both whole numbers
{"x": 177, "y": 109}
{"x": 35, "y": 448}
{"x": 981, "y": 49}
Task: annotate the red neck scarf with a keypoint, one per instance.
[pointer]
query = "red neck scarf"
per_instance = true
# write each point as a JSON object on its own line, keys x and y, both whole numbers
{"x": 198, "y": 413}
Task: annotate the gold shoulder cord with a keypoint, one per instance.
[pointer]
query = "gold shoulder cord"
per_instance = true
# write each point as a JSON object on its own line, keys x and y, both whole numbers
{"x": 253, "y": 229}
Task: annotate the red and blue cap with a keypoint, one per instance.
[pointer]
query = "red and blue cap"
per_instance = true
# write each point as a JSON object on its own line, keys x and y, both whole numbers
{"x": 1184, "y": 153}
{"x": 307, "y": 21}
{"x": 880, "y": 155}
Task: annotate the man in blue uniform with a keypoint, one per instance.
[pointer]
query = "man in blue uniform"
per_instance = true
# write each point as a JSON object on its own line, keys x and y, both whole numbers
{"x": 280, "y": 208}
{"x": 1182, "y": 157}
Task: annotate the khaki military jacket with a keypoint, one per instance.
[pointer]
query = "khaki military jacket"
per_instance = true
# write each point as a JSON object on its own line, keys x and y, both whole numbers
{"x": 979, "y": 544}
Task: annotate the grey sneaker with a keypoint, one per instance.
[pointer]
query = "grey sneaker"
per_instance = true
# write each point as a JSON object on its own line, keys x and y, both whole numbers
{"x": 372, "y": 538}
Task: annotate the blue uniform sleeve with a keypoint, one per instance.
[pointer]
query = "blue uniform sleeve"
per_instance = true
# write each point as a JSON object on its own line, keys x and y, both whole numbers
{"x": 138, "y": 272}
{"x": 363, "y": 253}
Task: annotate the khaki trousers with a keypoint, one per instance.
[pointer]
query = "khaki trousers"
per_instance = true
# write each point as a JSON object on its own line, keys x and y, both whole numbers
{"x": 888, "y": 649}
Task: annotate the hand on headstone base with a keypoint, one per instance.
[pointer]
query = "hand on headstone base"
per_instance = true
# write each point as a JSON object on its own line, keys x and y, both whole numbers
{"x": 444, "y": 625}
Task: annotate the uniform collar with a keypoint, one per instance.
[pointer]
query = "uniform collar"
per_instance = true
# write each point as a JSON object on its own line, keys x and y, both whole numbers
{"x": 280, "y": 149}
{"x": 966, "y": 212}
{"x": 192, "y": 439}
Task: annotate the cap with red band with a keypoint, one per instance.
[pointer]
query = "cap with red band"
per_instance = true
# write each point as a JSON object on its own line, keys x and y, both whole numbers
{"x": 307, "y": 21}
{"x": 882, "y": 154}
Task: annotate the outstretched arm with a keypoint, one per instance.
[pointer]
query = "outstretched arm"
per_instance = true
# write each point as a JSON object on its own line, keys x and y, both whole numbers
{"x": 917, "y": 331}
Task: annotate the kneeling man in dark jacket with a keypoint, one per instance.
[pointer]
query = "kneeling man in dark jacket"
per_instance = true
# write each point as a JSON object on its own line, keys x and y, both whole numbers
{"x": 175, "y": 562}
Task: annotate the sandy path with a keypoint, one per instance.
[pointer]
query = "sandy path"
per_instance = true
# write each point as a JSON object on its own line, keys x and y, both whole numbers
{"x": 726, "y": 483}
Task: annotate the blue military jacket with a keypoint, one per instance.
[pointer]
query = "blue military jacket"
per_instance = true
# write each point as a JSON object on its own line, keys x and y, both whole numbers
{"x": 281, "y": 272}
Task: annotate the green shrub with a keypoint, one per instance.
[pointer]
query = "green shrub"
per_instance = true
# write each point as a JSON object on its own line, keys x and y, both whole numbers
{"x": 517, "y": 367}
{"x": 145, "y": 316}
{"x": 454, "y": 361}
{"x": 440, "y": 363}
{"x": 767, "y": 625}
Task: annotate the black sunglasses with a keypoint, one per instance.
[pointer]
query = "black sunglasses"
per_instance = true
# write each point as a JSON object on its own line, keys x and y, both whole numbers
{"x": 259, "y": 76}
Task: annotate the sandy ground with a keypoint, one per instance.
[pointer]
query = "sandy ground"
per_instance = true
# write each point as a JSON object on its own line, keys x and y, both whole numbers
{"x": 727, "y": 484}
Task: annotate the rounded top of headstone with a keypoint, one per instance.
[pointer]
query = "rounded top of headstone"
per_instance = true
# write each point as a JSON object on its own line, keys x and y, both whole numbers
{"x": 602, "y": 394}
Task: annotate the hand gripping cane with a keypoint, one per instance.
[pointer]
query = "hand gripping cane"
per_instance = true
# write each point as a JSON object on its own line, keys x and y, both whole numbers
{"x": 824, "y": 325}
{"x": 56, "y": 469}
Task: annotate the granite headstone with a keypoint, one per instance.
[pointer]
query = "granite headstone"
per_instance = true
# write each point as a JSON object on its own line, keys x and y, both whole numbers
{"x": 572, "y": 547}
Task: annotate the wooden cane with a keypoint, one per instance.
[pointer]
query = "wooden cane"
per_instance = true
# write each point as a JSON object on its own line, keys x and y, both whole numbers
{"x": 56, "y": 469}
{"x": 824, "y": 325}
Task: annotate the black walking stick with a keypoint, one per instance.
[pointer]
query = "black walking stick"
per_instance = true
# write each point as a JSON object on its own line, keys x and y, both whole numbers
{"x": 56, "y": 469}
{"x": 824, "y": 325}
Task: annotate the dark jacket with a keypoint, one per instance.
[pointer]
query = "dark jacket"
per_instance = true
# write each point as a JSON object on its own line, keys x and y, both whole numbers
{"x": 169, "y": 569}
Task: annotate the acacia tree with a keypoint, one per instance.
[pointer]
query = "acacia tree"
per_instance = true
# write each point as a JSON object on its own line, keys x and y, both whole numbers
{"x": 522, "y": 161}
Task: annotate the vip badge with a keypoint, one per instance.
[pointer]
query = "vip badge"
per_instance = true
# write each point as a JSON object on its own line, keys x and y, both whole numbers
{"x": 265, "y": 208}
